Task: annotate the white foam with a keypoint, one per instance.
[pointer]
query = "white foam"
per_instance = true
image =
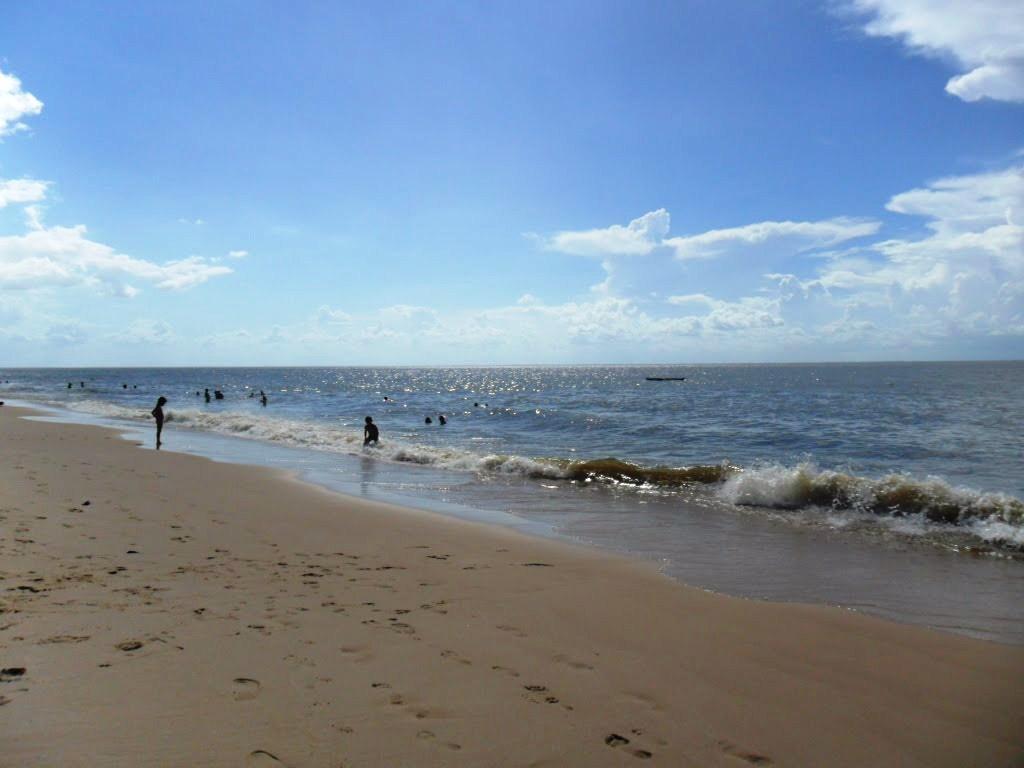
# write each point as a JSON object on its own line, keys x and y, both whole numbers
{"x": 773, "y": 485}
{"x": 337, "y": 439}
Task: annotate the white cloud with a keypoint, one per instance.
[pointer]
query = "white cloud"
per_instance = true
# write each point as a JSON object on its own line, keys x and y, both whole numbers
{"x": 145, "y": 331}
{"x": 724, "y": 316}
{"x": 15, "y": 104}
{"x": 237, "y": 254}
{"x": 639, "y": 237}
{"x": 64, "y": 256}
{"x": 796, "y": 235}
{"x": 986, "y": 37}
{"x": 966, "y": 203}
{"x": 960, "y": 277}
{"x": 66, "y": 335}
{"x": 647, "y": 233}
{"x": 22, "y": 191}
{"x": 329, "y": 316}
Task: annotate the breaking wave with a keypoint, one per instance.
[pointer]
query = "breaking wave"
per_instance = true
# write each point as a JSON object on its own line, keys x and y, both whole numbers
{"x": 994, "y": 518}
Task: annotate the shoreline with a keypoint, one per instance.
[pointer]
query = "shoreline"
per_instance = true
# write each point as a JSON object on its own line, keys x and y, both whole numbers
{"x": 278, "y": 620}
{"x": 699, "y": 549}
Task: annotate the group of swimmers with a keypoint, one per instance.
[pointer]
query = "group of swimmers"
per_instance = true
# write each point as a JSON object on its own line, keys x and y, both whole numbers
{"x": 218, "y": 395}
{"x": 371, "y": 434}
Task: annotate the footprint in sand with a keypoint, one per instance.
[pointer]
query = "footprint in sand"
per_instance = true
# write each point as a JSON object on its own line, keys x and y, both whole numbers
{"x": 616, "y": 740}
{"x": 63, "y": 639}
{"x": 245, "y": 688}
{"x": 573, "y": 663}
{"x": 515, "y": 631}
{"x": 262, "y": 759}
{"x": 750, "y": 758}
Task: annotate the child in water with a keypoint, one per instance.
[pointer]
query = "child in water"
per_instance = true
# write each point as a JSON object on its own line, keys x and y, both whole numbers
{"x": 370, "y": 432}
{"x": 158, "y": 414}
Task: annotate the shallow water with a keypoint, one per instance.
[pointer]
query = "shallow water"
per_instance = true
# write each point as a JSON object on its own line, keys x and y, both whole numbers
{"x": 929, "y": 437}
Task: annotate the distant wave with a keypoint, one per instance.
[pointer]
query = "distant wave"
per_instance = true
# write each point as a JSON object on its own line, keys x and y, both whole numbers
{"x": 992, "y": 517}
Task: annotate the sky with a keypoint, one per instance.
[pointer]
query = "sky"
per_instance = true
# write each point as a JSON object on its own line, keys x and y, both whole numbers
{"x": 328, "y": 183}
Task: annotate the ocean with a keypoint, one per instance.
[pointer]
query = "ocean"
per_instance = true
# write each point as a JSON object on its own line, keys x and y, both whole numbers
{"x": 890, "y": 488}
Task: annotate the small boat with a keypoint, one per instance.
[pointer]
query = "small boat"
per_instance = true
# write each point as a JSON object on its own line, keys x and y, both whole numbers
{"x": 666, "y": 378}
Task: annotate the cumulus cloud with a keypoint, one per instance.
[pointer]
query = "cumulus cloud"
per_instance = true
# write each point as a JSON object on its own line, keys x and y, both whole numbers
{"x": 715, "y": 315}
{"x": 56, "y": 256}
{"x": 15, "y": 104}
{"x": 639, "y": 237}
{"x": 986, "y": 38}
{"x": 960, "y": 277}
{"x": 22, "y": 191}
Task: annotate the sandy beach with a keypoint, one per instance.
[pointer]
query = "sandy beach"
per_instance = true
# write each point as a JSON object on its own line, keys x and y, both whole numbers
{"x": 159, "y": 609}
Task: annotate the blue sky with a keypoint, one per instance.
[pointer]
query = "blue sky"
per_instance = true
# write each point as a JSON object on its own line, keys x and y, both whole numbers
{"x": 328, "y": 183}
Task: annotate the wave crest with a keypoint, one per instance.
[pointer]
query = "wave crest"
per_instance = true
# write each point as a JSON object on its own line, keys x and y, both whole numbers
{"x": 894, "y": 495}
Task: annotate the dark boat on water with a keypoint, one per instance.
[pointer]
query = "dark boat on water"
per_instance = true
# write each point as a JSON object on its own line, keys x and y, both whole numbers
{"x": 666, "y": 378}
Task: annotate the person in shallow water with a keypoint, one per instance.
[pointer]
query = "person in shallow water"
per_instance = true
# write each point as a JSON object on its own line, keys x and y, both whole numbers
{"x": 206, "y": 394}
{"x": 370, "y": 432}
{"x": 158, "y": 414}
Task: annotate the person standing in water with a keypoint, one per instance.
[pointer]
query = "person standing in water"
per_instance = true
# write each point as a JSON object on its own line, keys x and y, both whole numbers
{"x": 158, "y": 414}
{"x": 370, "y": 432}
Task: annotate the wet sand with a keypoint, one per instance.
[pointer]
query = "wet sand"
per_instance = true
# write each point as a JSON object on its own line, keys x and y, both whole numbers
{"x": 160, "y": 609}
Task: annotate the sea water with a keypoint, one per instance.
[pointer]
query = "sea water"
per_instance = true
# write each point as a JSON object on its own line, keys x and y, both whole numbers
{"x": 890, "y": 488}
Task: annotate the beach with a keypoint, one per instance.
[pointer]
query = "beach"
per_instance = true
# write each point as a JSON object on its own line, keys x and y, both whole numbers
{"x": 162, "y": 609}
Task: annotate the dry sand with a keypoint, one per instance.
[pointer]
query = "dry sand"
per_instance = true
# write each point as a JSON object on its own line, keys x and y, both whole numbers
{"x": 172, "y": 611}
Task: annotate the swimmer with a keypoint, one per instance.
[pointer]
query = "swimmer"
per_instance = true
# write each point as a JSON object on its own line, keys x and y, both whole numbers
{"x": 370, "y": 432}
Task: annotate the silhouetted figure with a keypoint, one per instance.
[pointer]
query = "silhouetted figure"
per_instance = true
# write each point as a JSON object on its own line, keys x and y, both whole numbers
{"x": 441, "y": 419}
{"x": 206, "y": 394}
{"x": 370, "y": 432}
{"x": 81, "y": 384}
{"x": 252, "y": 394}
{"x": 158, "y": 414}
{"x": 263, "y": 399}
{"x": 124, "y": 386}
{"x": 386, "y": 398}
{"x": 69, "y": 385}
{"x": 428, "y": 420}
{"x": 218, "y": 395}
